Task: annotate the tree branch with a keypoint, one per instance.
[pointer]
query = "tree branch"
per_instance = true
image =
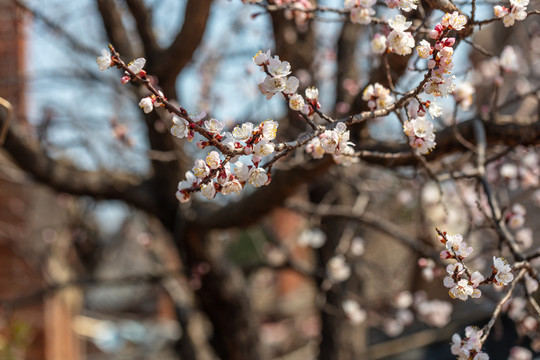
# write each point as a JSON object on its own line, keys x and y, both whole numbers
{"x": 66, "y": 177}
{"x": 116, "y": 32}
{"x": 172, "y": 60}
{"x": 143, "y": 20}
{"x": 251, "y": 208}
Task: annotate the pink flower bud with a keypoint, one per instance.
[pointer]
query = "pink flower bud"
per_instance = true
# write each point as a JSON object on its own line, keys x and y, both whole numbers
{"x": 248, "y": 149}
{"x": 125, "y": 79}
{"x": 449, "y": 41}
{"x": 256, "y": 160}
{"x": 434, "y": 34}
{"x": 431, "y": 64}
{"x": 202, "y": 144}
{"x": 445, "y": 255}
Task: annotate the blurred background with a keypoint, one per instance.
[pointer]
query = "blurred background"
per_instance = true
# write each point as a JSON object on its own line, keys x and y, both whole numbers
{"x": 98, "y": 260}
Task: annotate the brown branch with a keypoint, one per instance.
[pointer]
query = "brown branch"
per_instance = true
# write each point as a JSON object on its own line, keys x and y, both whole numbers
{"x": 74, "y": 42}
{"x": 510, "y": 134}
{"x": 496, "y": 213}
{"x": 251, "y": 208}
{"x": 367, "y": 219}
{"x": 114, "y": 27}
{"x": 64, "y": 176}
{"x": 173, "y": 59}
{"x": 487, "y": 329}
{"x": 38, "y": 295}
{"x": 143, "y": 21}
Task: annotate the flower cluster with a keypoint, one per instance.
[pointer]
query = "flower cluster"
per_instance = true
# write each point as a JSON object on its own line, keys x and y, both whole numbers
{"x": 361, "y": 10}
{"x": 456, "y": 248}
{"x": 335, "y": 142}
{"x": 377, "y": 96}
{"x": 517, "y": 12}
{"x": 441, "y": 62}
{"x": 254, "y": 141}
{"x": 405, "y": 5}
{"x": 400, "y": 41}
{"x": 470, "y": 347}
{"x": 459, "y": 280}
{"x": 278, "y": 81}
{"x": 421, "y": 134}
{"x": 502, "y": 272}
{"x": 460, "y": 287}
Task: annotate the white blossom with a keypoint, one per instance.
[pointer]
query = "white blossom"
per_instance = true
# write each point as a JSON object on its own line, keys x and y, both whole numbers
{"x": 353, "y": 311}
{"x": 180, "y": 127}
{"x": 200, "y": 169}
{"x": 504, "y": 272}
{"x": 277, "y": 68}
{"x": 104, "y": 61}
{"x": 291, "y": 85}
{"x": 361, "y": 15}
{"x": 243, "y": 132}
{"x": 263, "y": 148}
{"x": 258, "y": 177}
{"x": 421, "y": 134}
{"x": 509, "y": 59}
{"x": 312, "y": 93}
{"x": 424, "y": 49}
{"x": 272, "y": 85}
{"x": 315, "y": 148}
{"x": 212, "y": 160}
{"x": 378, "y": 44}
{"x": 314, "y": 238}
{"x": 137, "y": 65}
{"x": 296, "y": 102}
{"x": 269, "y": 130}
{"x": 337, "y": 269}
{"x": 520, "y": 353}
{"x": 241, "y": 171}
{"x": 463, "y": 94}
{"x": 233, "y": 186}
{"x": 260, "y": 58}
{"x": 214, "y": 126}
{"x": 399, "y": 23}
{"x": 435, "y": 110}
{"x": 401, "y": 42}
{"x": 146, "y": 104}
{"x": 455, "y": 20}
{"x": 208, "y": 190}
